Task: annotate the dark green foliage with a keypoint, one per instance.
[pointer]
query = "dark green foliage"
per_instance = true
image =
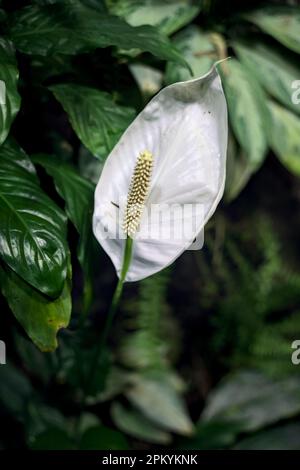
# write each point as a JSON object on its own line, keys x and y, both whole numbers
{"x": 33, "y": 228}
{"x": 148, "y": 345}
{"x": 200, "y": 355}
{"x": 255, "y": 297}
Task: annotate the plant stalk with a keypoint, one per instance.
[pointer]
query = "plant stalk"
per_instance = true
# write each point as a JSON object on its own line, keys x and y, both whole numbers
{"x": 111, "y": 314}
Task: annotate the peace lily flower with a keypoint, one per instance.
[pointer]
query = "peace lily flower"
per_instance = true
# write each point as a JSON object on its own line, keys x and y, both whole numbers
{"x": 173, "y": 155}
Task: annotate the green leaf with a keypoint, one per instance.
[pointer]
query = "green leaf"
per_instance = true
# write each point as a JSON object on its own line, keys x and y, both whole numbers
{"x": 53, "y": 439}
{"x": 157, "y": 398}
{"x": 199, "y": 52}
{"x": 33, "y": 360}
{"x": 9, "y": 97}
{"x": 98, "y": 121}
{"x": 15, "y": 390}
{"x": 284, "y": 137}
{"x": 40, "y": 317}
{"x": 18, "y": 398}
{"x": 116, "y": 381}
{"x": 39, "y": 417}
{"x": 167, "y": 17}
{"x": 78, "y": 195}
{"x": 71, "y": 28}
{"x": 283, "y": 23}
{"x": 103, "y": 438}
{"x": 248, "y": 112}
{"x": 76, "y": 372}
{"x": 32, "y": 227}
{"x": 135, "y": 424}
{"x": 211, "y": 435}
{"x": 258, "y": 401}
{"x": 149, "y": 80}
{"x": 285, "y": 437}
{"x": 89, "y": 167}
{"x": 76, "y": 191}
{"x": 238, "y": 170}
{"x": 87, "y": 421}
{"x": 274, "y": 70}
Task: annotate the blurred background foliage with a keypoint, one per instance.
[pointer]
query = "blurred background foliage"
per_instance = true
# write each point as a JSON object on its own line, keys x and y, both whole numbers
{"x": 200, "y": 355}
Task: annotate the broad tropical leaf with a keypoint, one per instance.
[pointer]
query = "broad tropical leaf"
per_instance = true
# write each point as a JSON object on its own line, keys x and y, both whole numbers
{"x": 9, "y": 96}
{"x": 211, "y": 435}
{"x": 149, "y": 80}
{"x": 284, "y": 437}
{"x": 98, "y": 121}
{"x": 103, "y": 438}
{"x": 258, "y": 401}
{"x": 76, "y": 191}
{"x": 284, "y": 137}
{"x": 283, "y": 23}
{"x": 32, "y": 227}
{"x": 158, "y": 400}
{"x": 53, "y": 439}
{"x": 238, "y": 170}
{"x": 137, "y": 425}
{"x": 15, "y": 390}
{"x": 273, "y": 69}
{"x": 40, "y": 316}
{"x": 78, "y": 194}
{"x": 248, "y": 113}
{"x": 168, "y": 17}
{"x": 198, "y": 50}
{"x": 71, "y": 27}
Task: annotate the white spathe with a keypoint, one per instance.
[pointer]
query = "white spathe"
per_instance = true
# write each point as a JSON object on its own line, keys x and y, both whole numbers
{"x": 185, "y": 128}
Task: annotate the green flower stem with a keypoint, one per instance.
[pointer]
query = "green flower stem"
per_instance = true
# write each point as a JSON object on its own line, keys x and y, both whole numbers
{"x": 101, "y": 344}
{"x": 118, "y": 292}
{"x": 111, "y": 314}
